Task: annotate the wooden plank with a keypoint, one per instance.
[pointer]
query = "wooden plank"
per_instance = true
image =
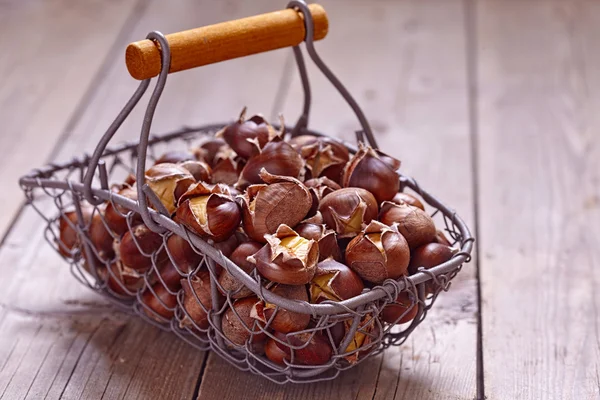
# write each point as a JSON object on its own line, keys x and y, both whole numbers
{"x": 39, "y": 90}
{"x": 59, "y": 339}
{"x": 539, "y": 152}
{"x": 405, "y": 63}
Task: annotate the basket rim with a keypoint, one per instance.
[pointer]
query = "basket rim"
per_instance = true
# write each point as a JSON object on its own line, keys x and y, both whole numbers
{"x": 39, "y": 178}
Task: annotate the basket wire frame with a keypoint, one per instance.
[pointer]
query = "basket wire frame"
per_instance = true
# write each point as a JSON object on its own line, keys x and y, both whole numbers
{"x": 68, "y": 187}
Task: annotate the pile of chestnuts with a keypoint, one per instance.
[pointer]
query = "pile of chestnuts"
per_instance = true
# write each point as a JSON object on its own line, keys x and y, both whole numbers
{"x": 313, "y": 221}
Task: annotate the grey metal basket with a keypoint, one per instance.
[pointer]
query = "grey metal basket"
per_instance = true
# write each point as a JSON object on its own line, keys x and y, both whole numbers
{"x": 56, "y": 188}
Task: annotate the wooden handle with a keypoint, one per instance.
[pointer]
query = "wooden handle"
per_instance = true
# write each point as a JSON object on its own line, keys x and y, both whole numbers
{"x": 224, "y": 41}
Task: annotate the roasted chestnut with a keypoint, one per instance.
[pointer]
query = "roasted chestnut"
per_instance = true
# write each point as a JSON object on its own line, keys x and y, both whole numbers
{"x": 158, "y": 302}
{"x": 274, "y": 353}
{"x": 287, "y": 257}
{"x": 319, "y": 188}
{"x": 403, "y": 310}
{"x": 182, "y": 254}
{"x": 209, "y": 212}
{"x": 280, "y": 319}
{"x": 429, "y": 256}
{"x": 278, "y": 158}
{"x": 123, "y": 280}
{"x": 200, "y": 170}
{"x": 380, "y": 252}
{"x": 197, "y": 300}
{"x": 115, "y": 214}
{"x": 325, "y": 157}
{"x": 368, "y": 171}
{"x": 238, "y": 325}
{"x": 239, "y": 257}
{"x": 136, "y": 247}
{"x": 209, "y": 149}
{"x": 326, "y": 238}
{"x": 414, "y": 224}
{"x": 409, "y": 199}
{"x": 441, "y": 238}
{"x": 99, "y": 236}
{"x": 174, "y": 157}
{"x": 365, "y": 339}
{"x": 169, "y": 182}
{"x": 283, "y": 200}
{"x": 334, "y": 281}
{"x": 348, "y": 210}
{"x": 308, "y": 348}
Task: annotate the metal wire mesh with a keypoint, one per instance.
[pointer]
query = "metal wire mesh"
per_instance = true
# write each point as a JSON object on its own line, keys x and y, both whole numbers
{"x": 339, "y": 335}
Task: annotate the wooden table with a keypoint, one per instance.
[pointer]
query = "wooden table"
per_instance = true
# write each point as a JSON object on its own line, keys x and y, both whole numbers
{"x": 493, "y": 104}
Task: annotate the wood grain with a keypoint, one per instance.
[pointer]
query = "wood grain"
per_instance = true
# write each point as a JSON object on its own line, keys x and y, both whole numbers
{"x": 59, "y": 339}
{"x": 539, "y": 152}
{"x": 39, "y": 91}
{"x": 413, "y": 88}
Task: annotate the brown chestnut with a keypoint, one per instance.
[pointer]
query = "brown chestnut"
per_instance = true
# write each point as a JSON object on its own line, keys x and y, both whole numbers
{"x": 209, "y": 212}
{"x": 441, "y": 238}
{"x": 200, "y": 170}
{"x": 140, "y": 237}
{"x": 99, "y": 236}
{"x": 334, "y": 281}
{"x": 238, "y": 325}
{"x": 287, "y": 257}
{"x": 365, "y": 339}
{"x": 280, "y": 319}
{"x": 378, "y": 253}
{"x": 319, "y": 188}
{"x": 115, "y": 214}
{"x": 409, "y": 199}
{"x": 403, "y": 310}
{"x": 196, "y": 299}
{"x": 209, "y": 149}
{"x": 278, "y": 158}
{"x": 429, "y": 256}
{"x": 227, "y": 170}
{"x": 169, "y": 182}
{"x": 274, "y": 353}
{"x": 414, "y": 224}
{"x": 348, "y": 210}
{"x": 239, "y": 257}
{"x": 283, "y": 200}
{"x": 315, "y": 347}
{"x": 123, "y": 280}
{"x": 158, "y": 302}
{"x": 174, "y": 157}
{"x": 326, "y": 238}
{"x": 68, "y": 223}
{"x": 182, "y": 254}
{"x": 325, "y": 157}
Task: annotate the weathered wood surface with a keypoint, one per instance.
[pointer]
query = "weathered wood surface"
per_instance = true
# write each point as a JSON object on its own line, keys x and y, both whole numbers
{"x": 539, "y": 203}
{"x": 408, "y": 73}
{"x": 57, "y": 339}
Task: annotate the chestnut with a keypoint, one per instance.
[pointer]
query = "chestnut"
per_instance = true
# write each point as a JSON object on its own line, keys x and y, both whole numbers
{"x": 158, "y": 302}
{"x": 239, "y": 257}
{"x": 238, "y": 325}
{"x": 403, "y": 310}
{"x": 140, "y": 237}
{"x": 287, "y": 257}
{"x": 196, "y": 299}
{"x": 409, "y": 199}
{"x": 326, "y": 238}
{"x": 414, "y": 224}
{"x": 280, "y": 319}
{"x": 209, "y": 149}
{"x": 100, "y": 236}
{"x": 365, "y": 339}
{"x": 227, "y": 171}
{"x": 380, "y": 252}
{"x": 169, "y": 182}
{"x": 441, "y": 238}
{"x": 348, "y": 210}
{"x": 182, "y": 254}
{"x": 115, "y": 214}
{"x": 68, "y": 235}
{"x": 429, "y": 256}
{"x": 325, "y": 157}
{"x": 368, "y": 171}
{"x": 209, "y": 212}
{"x": 315, "y": 347}
{"x": 274, "y": 353}
{"x": 278, "y": 158}
{"x": 319, "y": 188}
{"x": 334, "y": 281}
{"x": 245, "y": 136}
{"x": 200, "y": 170}
{"x": 123, "y": 280}
{"x": 174, "y": 157}
{"x": 284, "y": 200}
{"x": 168, "y": 275}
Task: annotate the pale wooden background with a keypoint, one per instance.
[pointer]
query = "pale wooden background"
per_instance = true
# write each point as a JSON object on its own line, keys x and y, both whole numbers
{"x": 492, "y": 104}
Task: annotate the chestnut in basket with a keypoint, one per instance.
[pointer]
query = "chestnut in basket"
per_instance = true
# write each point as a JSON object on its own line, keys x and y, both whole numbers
{"x": 238, "y": 325}
{"x": 364, "y": 340}
{"x": 99, "y": 236}
{"x": 334, "y": 281}
{"x": 429, "y": 256}
{"x": 274, "y": 353}
{"x": 182, "y": 254}
{"x": 441, "y": 238}
{"x": 283, "y": 200}
{"x": 280, "y": 319}
{"x": 368, "y": 171}
{"x": 227, "y": 168}
{"x": 287, "y": 257}
{"x": 158, "y": 302}
{"x": 246, "y": 136}
{"x": 316, "y": 349}
{"x": 403, "y": 310}
{"x": 325, "y": 157}
{"x": 414, "y": 224}
{"x": 115, "y": 214}
{"x": 196, "y": 298}
{"x": 378, "y": 253}
{"x": 409, "y": 199}
{"x": 174, "y": 157}
{"x": 278, "y": 158}
{"x": 327, "y": 239}
{"x": 319, "y": 188}
{"x": 239, "y": 257}
{"x": 200, "y": 170}
{"x": 169, "y": 182}
{"x": 123, "y": 280}
{"x": 348, "y": 210}
{"x": 208, "y": 150}
{"x": 209, "y": 212}
{"x": 140, "y": 237}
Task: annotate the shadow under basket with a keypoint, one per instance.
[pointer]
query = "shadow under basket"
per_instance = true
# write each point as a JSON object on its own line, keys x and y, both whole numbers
{"x": 340, "y": 335}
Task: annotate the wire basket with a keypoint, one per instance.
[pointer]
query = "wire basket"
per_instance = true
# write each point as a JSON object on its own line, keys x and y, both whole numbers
{"x": 342, "y": 334}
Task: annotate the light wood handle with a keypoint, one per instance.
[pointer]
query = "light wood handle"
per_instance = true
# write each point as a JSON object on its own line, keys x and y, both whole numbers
{"x": 225, "y": 41}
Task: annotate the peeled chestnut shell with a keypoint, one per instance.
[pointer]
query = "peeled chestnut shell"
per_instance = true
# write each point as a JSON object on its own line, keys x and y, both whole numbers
{"x": 196, "y": 294}
{"x": 169, "y": 182}
{"x": 325, "y": 157}
{"x": 200, "y": 170}
{"x": 326, "y": 238}
{"x": 368, "y": 171}
{"x": 414, "y": 224}
{"x": 209, "y": 149}
{"x": 409, "y": 199}
{"x": 140, "y": 237}
{"x": 245, "y": 136}
{"x": 160, "y": 302}
{"x": 401, "y": 311}
{"x": 239, "y": 257}
{"x": 283, "y": 200}
{"x": 316, "y": 348}
{"x": 334, "y": 281}
{"x": 283, "y": 320}
{"x": 380, "y": 252}
{"x": 278, "y": 158}
{"x": 287, "y": 257}
{"x": 348, "y": 210}
{"x": 239, "y": 326}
